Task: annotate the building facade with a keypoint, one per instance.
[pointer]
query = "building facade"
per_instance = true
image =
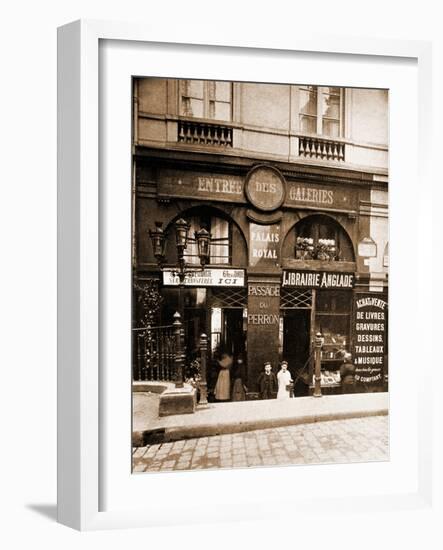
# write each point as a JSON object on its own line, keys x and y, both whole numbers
{"x": 291, "y": 182}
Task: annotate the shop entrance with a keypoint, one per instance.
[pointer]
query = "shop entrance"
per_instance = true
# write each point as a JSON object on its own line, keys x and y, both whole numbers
{"x": 296, "y": 346}
{"x": 296, "y": 325}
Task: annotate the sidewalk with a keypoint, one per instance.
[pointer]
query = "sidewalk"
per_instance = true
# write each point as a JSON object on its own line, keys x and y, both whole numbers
{"x": 225, "y": 418}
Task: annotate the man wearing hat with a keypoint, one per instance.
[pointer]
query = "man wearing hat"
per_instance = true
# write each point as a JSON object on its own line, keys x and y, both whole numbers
{"x": 267, "y": 382}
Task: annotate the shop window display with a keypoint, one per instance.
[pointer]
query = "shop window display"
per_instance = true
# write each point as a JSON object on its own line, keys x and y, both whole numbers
{"x": 332, "y": 320}
{"x": 319, "y": 237}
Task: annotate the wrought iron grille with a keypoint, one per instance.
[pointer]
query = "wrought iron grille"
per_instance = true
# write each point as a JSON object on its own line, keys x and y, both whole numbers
{"x": 229, "y": 298}
{"x": 292, "y": 298}
{"x": 154, "y": 353}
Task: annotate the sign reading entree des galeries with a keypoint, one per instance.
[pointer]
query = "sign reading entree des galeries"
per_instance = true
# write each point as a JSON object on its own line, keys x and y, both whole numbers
{"x": 317, "y": 279}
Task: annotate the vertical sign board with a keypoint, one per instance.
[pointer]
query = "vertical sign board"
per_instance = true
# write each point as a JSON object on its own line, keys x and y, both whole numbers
{"x": 264, "y": 245}
{"x": 263, "y": 327}
{"x": 370, "y": 339}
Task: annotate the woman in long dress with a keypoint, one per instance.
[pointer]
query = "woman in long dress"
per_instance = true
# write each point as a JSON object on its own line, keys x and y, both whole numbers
{"x": 284, "y": 379}
{"x": 223, "y": 384}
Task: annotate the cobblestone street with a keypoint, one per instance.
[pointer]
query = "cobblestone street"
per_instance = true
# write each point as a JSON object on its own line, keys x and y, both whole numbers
{"x": 351, "y": 440}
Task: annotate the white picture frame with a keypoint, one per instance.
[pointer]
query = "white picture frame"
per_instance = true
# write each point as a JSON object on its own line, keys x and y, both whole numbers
{"x": 84, "y": 216}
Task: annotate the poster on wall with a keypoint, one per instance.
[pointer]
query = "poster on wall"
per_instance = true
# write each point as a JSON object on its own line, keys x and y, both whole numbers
{"x": 369, "y": 353}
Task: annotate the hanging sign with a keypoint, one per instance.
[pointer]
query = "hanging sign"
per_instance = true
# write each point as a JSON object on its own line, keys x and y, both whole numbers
{"x": 370, "y": 339}
{"x": 318, "y": 279}
{"x": 208, "y": 277}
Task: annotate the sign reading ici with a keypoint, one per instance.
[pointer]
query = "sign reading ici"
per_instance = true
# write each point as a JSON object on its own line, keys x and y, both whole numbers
{"x": 207, "y": 277}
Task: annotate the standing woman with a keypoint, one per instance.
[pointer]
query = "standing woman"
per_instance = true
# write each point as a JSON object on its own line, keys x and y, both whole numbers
{"x": 223, "y": 385}
{"x": 239, "y": 377}
{"x": 284, "y": 381}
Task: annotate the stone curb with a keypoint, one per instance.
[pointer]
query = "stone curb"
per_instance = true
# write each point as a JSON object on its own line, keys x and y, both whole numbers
{"x": 147, "y": 437}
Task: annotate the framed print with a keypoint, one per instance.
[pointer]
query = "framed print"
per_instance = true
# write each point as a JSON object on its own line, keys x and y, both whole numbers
{"x": 232, "y": 277}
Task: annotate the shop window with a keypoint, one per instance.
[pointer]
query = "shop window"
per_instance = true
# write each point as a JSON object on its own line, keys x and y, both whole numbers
{"x": 321, "y": 238}
{"x": 321, "y": 110}
{"x": 220, "y": 230}
{"x": 332, "y": 319}
{"x": 211, "y": 99}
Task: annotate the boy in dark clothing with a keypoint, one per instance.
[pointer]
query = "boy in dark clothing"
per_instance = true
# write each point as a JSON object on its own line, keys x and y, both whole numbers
{"x": 267, "y": 383}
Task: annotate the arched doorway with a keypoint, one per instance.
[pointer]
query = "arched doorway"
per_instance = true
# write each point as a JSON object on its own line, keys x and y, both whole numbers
{"x": 217, "y": 305}
{"x": 315, "y": 247}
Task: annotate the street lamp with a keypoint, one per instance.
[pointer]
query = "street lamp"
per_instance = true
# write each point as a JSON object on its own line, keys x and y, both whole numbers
{"x": 158, "y": 243}
{"x": 203, "y": 239}
{"x": 182, "y": 269}
{"x": 318, "y": 342}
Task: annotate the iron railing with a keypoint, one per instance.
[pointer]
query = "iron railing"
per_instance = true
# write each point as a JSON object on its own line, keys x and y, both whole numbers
{"x": 154, "y": 351}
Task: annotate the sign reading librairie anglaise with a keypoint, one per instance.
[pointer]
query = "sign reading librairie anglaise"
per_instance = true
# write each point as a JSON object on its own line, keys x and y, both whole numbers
{"x": 370, "y": 339}
{"x": 318, "y": 279}
{"x": 208, "y": 277}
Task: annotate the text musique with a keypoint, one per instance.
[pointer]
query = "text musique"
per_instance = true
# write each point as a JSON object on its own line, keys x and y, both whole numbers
{"x": 318, "y": 280}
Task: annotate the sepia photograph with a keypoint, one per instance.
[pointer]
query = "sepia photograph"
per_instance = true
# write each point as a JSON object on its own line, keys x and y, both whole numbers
{"x": 260, "y": 259}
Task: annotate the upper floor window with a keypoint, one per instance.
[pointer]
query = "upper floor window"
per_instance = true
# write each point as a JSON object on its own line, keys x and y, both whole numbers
{"x": 320, "y": 110}
{"x": 206, "y": 99}
{"x": 220, "y": 230}
{"x": 319, "y": 237}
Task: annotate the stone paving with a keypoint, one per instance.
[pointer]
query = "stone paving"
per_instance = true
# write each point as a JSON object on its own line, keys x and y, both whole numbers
{"x": 335, "y": 441}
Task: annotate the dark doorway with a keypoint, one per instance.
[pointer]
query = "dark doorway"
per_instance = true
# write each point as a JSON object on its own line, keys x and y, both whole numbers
{"x": 296, "y": 346}
{"x": 233, "y": 336}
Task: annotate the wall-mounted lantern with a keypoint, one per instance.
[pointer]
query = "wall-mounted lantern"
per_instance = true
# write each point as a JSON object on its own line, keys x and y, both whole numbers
{"x": 367, "y": 248}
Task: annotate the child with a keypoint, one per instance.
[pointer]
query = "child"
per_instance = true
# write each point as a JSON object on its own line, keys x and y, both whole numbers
{"x": 284, "y": 381}
{"x": 239, "y": 376}
{"x": 267, "y": 383}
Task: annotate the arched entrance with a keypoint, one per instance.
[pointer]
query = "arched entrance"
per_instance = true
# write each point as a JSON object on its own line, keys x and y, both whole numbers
{"x": 316, "y": 297}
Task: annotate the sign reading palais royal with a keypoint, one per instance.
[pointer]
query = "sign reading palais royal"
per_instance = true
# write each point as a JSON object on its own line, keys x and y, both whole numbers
{"x": 318, "y": 279}
{"x": 264, "y": 244}
{"x": 207, "y": 277}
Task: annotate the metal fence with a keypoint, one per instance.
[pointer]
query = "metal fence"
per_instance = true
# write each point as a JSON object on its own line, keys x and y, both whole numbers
{"x": 154, "y": 350}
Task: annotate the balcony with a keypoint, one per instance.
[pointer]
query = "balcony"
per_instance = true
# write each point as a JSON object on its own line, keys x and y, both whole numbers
{"x": 201, "y": 133}
{"x": 267, "y": 143}
{"x": 321, "y": 148}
